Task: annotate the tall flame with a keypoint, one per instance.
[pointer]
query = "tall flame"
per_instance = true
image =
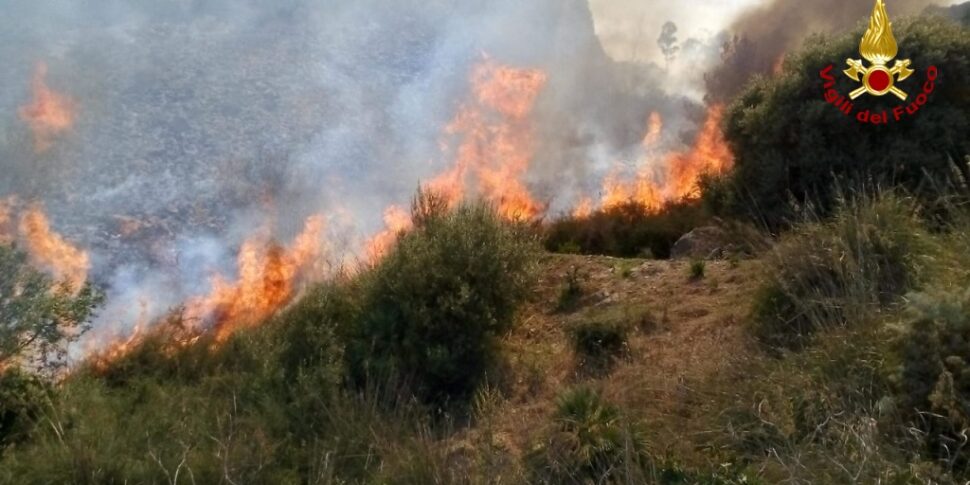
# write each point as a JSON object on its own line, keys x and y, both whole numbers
{"x": 49, "y": 113}
{"x": 396, "y": 221}
{"x": 267, "y": 280}
{"x": 710, "y": 154}
{"x": 494, "y": 136}
{"x": 491, "y": 139}
{"x": 49, "y": 250}
{"x": 878, "y": 44}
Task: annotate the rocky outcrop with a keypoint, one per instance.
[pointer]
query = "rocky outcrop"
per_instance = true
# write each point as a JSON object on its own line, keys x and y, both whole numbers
{"x": 701, "y": 243}
{"x": 720, "y": 241}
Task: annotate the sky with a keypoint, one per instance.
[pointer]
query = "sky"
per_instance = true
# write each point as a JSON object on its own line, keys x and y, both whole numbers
{"x": 628, "y": 29}
{"x": 620, "y": 23}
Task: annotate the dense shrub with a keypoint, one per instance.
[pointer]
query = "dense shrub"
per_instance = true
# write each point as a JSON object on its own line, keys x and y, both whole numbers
{"x": 627, "y": 230}
{"x": 597, "y": 343}
{"x": 22, "y": 396}
{"x": 571, "y": 293}
{"x": 589, "y": 442}
{"x": 39, "y": 316}
{"x": 790, "y": 145}
{"x": 696, "y": 269}
{"x": 840, "y": 271}
{"x": 934, "y": 374}
{"x": 437, "y": 302}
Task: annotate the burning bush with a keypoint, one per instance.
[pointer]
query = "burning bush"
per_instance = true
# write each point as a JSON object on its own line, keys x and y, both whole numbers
{"x": 436, "y": 303}
{"x": 629, "y": 229}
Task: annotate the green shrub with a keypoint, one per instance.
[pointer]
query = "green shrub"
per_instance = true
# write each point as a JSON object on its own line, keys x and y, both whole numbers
{"x": 627, "y": 230}
{"x": 840, "y": 271}
{"x": 436, "y": 304}
{"x": 597, "y": 343}
{"x": 589, "y": 442}
{"x": 571, "y": 293}
{"x": 934, "y": 377}
{"x": 790, "y": 146}
{"x": 22, "y": 396}
{"x": 696, "y": 270}
{"x": 39, "y": 317}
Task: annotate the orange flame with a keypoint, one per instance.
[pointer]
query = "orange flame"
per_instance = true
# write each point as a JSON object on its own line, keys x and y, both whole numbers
{"x": 268, "y": 276}
{"x": 494, "y": 135}
{"x": 49, "y": 113}
{"x": 655, "y": 126}
{"x": 49, "y": 250}
{"x": 492, "y": 140}
{"x": 119, "y": 347}
{"x": 396, "y": 221}
{"x": 584, "y": 209}
{"x": 710, "y": 154}
{"x": 642, "y": 190}
{"x": 779, "y": 65}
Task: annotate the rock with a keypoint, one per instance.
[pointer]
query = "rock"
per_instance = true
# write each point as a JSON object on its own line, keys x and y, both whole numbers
{"x": 705, "y": 242}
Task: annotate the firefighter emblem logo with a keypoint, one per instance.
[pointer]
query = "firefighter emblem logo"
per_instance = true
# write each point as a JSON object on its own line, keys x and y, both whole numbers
{"x": 878, "y": 46}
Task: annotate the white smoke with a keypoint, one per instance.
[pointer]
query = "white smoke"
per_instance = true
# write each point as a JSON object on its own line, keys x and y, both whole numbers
{"x": 207, "y": 120}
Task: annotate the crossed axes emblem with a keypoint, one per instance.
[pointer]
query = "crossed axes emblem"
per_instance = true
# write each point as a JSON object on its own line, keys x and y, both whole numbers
{"x": 877, "y": 79}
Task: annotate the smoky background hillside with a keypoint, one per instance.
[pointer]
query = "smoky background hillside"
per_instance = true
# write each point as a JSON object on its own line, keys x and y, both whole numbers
{"x": 190, "y": 126}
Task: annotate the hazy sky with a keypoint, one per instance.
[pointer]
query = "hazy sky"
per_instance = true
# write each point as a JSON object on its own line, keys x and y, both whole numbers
{"x": 629, "y": 28}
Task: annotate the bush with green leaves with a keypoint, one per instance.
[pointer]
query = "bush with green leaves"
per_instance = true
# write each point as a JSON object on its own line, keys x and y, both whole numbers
{"x": 791, "y": 145}
{"x": 841, "y": 271}
{"x": 39, "y": 316}
{"x": 696, "y": 269}
{"x": 934, "y": 377}
{"x": 571, "y": 294}
{"x": 435, "y": 306}
{"x": 630, "y": 229}
{"x": 589, "y": 441}
{"x": 22, "y": 397}
{"x": 597, "y": 343}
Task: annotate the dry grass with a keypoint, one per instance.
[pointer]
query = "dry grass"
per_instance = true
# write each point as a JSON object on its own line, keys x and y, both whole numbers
{"x": 683, "y": 333}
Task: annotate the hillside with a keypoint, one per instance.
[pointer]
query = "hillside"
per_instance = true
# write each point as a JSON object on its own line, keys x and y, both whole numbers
{"x": 684, "y": 333}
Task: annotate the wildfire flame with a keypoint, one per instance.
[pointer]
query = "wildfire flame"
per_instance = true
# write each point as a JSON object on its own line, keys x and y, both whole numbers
{"x": 396, "y": 221}
{"x": 779, "y": 65}
{"x": 49, "y": 250}
{"x": 49, "y": 113}
{"x": 119, "y": 346}
{"x": 655, "y": 126}
{"x": 492, "y": 141}
{"x": 494, "y": 136}
{"x": 710, "y": 154}
{"x": 267, "y": 280}
{"x": 584, "y": 209}
{"x": 878, "y": 44}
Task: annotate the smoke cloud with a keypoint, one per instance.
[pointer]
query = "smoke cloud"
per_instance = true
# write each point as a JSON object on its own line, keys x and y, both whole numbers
{"x": 760, "y": 37}
{"x": 195, "y": 124}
